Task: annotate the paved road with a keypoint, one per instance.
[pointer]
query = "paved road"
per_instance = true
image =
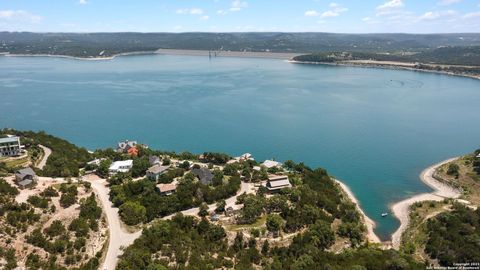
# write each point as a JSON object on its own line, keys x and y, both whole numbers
{"x": 46, "y": 153}
{"x": 118, "y": 236}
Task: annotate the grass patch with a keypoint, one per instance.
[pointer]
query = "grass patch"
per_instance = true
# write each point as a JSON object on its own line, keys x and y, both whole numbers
{"x": 257, "y": 224}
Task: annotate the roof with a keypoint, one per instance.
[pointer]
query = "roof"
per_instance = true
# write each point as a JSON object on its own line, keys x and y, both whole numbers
{"x": 271, "y": 163}
{"x": 205, "y": 175}
{"x": 156, "y": 169}
{"x": 9, "y": 139}
{"x": 278, "y": 182}
{"x": 123, "y": 163}
{"x": 133, "y": 151}
{"x": 25, "y": 182}
{"x": 153, "y": 159}
{"x": 24, "y": 172}
{"x": 166, "y": 187}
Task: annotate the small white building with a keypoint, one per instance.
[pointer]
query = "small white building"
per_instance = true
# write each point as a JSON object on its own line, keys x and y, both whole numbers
{"x": 242, "y": 158}
{"x": 120, "y": 166}
{"x": 478, "y": 156}
{"x": 276, "y": 183}
{"x": 271, "y": 163}
{"x": 96, "y": 161}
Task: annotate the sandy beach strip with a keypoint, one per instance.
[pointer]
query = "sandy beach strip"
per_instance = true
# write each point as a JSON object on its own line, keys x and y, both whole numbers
{"x": 369, "y": 223}
{"x": 271, "y": 55}
{"x": 440, "y": 192}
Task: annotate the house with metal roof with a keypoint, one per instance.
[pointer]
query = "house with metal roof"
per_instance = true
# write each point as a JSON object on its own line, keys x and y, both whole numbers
{"x": 25, "y": 177}
{"x": 271, "y": 163}
{"x": 10, "y": 146}
{"x": 154, "y": 172}
{"x": 276, "y": 183}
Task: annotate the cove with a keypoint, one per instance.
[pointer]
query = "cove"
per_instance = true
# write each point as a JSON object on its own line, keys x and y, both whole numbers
{"x": 374, "y": 129}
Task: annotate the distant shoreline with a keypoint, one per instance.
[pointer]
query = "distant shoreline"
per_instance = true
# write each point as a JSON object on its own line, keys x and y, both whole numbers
{"x": 239, "y": 54}
{"x": 97, "y": 58}
{"x": 440, "y": 192}
{"x": 270, "y": 55}
{"x": 385, "y": 65}
{"x": 267, "y": 55}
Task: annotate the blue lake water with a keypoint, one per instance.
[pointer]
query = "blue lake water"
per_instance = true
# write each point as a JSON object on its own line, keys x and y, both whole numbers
{"x": 374, "y": 129}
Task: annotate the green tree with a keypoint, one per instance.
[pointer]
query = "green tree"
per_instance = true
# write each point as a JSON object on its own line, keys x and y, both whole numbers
{"x": 203, "y": 210}
{"x": 132, "y": 213}
{"x": 274, "y": 223}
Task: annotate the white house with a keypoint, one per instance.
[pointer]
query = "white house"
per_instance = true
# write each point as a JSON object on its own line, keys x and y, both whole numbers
{"x": 271, "y": 163}
{"x": 96, "y": 161}
{"x": 10, "y": 146}
{"x": 242, "y": 158}
{"x": 120, "y": 166}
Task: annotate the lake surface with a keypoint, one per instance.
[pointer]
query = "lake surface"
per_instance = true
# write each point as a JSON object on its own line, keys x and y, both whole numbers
{"x": 374, "y": 129}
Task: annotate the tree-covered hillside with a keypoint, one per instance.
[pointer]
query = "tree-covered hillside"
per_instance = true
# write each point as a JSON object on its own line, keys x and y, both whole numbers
{"x": 107, "y": 44}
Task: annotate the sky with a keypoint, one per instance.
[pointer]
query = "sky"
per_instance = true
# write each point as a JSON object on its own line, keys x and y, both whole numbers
{"x": 341, "y": 16}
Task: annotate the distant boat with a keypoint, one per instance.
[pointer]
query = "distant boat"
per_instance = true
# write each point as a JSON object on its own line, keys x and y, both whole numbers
{"x": 384, "y": 214}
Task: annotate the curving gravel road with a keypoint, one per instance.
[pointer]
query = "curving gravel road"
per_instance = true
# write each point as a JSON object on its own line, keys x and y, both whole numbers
{"x": 46, "y": 153}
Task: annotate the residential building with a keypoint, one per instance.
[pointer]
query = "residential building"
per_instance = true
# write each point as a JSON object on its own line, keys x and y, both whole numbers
{"x": 122, "y": 147}
{"x": 154, "y": 172}
{"x": 276, "y": 183}
{"x": 132, "y": 151}
{"x": 242, "y": 158}
{"x": 120, "y": 166}
{"x": 154, "y": 160}
{"x": 25, "y": 177}
{"x": 166, "y": 189}
{"x": 10, "y": 146}
{"x": 96, "y": 161}
{"x": 204, "y": 175}
{"x": 271, "y": 163}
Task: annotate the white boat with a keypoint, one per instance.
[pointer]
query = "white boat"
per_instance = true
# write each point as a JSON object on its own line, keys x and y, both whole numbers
{"x": 384, "y": 214}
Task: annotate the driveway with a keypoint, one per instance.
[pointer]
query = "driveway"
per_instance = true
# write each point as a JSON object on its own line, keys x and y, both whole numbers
{"x": 119, "y": 237}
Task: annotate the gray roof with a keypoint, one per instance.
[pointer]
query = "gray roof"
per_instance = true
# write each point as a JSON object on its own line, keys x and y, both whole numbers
{"x": 25, "y": 182}
{"x": 153, "y": 159}
{"x": 9, "y": 139}
{"x": 156, "y": 169}
{"x": 205, "y": 175}
{"x": 24, "y": 172}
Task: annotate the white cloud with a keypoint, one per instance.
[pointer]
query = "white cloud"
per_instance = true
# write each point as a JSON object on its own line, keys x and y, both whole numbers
{"x": 329, "y": 14}
{"x": 448, "y": 2}
{"x": 471, "y": 15}
{"x": 335, "y": 10}
{"x": 205, "y": 17}
{"x": 311, "y": 13}
{"x": 19, "y": 15}
{"x": 238, "y": 5}
{"x": 82, "y": 2}
{"x": 434, "y": 15}
{"x": 191, "y": 11}
{"x": 389, "y": 7}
